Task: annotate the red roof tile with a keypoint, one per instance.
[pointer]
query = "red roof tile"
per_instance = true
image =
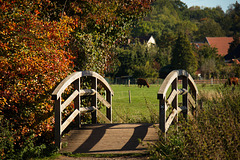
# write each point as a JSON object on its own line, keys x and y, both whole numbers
{"x": 221, "y": 43}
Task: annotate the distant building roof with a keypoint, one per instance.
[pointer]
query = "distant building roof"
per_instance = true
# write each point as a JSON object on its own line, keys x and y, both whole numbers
{"x": 221, "y": 43}
{"x": 151, "y": 41}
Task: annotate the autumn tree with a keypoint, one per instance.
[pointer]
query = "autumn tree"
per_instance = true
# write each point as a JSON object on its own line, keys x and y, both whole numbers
{"x": 101, "y": 26}
{"x": 33, "y": 60}
{"x": 183, "y": 56}
{"x": 39, "y": 42}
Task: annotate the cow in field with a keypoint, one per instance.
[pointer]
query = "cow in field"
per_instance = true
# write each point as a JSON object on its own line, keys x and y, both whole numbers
{"x": 142, "y": 82}
{"x": 232, "y": 80}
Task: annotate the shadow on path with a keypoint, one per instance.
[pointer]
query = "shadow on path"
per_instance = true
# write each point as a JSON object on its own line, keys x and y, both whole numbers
{"x": 114, "y": 141}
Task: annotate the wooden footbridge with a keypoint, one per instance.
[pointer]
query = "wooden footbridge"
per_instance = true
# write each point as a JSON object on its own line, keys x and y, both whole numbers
{"x": 110, "y": 137}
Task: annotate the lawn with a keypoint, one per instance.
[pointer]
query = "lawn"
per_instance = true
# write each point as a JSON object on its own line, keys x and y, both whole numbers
{"x": 144, "y": 106}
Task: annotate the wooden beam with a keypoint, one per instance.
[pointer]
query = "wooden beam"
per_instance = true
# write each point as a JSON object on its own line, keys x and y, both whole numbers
{"x": 171, "y": 97}
{"x": 101, "y": 115}
{"x": 170, "y": 118}
{"x": 69, "y": 100}
{"x": 69, "y": 120}
{"x": 87, "y": 92}
{"x": 102, "y": 99}
{"x": 87, "y": 109}
{"x": 191, "y": 100}
{"x": 182, "y": 91}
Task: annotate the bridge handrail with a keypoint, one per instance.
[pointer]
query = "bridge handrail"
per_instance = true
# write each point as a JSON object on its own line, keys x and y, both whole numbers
{"x": 172, "y": 99}
{"x": 75, "y": 78}
{"x": 171, "y": 77}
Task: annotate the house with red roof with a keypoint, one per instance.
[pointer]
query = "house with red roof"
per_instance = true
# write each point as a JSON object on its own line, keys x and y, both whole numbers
{"x": 221, "y": 43}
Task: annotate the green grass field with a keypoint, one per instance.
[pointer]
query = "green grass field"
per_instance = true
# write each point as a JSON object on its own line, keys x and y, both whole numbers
{"x": 144, "y": 106}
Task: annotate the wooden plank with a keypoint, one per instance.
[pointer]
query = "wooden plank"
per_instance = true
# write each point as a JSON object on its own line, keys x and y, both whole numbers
{"x": 191, "y": 100}
{"x": 87, "y": 92}
{"x": 58, "y": 119}
{"x": 170, "y": 118}
{"x": 69, "y": 100}
{"x": 87, "y": 109}
{"x": 102, "y": 99}
{"x": 69, "y": 120}
{"x": 171, "y": 97}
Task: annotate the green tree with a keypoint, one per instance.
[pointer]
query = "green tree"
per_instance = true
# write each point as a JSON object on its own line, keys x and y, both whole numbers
{"x": 137, "y": 60}
{"x": 234, "y": 43}
{"x": 234, "y": 14}
{"x": 183, "y": 56}
{"x": 209, "y": 28}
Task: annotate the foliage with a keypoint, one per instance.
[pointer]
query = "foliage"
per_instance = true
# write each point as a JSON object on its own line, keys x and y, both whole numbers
{"x": 233, "y": 14}
{"x": 209, "y": 28}
{"x": 33, "y": 61}
{"x": 234, "y": 43}
{"x": 138, "y": 60}
{"x": 39, "y": 42}
{"x": 182, "y": 55}
{"x": 214, "y": 134}
{"x": 101, "y": 26}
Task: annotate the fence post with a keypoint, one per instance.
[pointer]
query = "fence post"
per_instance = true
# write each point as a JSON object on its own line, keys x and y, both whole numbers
{"x": 94, "y": 100}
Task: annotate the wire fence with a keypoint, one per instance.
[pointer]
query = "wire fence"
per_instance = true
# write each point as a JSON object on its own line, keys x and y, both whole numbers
{"x": 125, "y": 80}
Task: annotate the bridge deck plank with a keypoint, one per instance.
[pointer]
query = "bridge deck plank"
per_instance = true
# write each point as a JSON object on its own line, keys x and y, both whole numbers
{"x": 110, "y": 138}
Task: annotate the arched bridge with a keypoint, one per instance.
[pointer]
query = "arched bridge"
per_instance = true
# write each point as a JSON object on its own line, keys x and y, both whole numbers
{"x": 114, "y": 138}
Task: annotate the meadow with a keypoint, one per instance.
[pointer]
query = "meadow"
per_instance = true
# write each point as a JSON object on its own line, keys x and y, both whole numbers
{"x": 144, "y": 106}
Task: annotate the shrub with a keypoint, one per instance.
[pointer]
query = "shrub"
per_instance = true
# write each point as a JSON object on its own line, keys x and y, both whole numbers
{"x": 214, "y": 134}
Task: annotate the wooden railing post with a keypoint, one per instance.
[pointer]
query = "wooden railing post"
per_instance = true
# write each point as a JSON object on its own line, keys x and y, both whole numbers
{"x": 109, "y": 110}
{"x": 94, "y": 100}
{"x": 162, "y": 115}
{"x": 185, "y": 96}
{"x": 77, "y": 101}
{"x": 167, "y": 100}
{"x": 175, "y": 100}
{"x": 58, "y": 122}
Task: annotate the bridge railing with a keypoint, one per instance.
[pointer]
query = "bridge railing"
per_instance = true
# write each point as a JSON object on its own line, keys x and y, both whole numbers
{"x": 75, "y": 79}
{"x": 189, "y": 94}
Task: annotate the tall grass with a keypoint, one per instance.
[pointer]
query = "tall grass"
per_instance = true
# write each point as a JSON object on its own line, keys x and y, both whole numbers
{"x": 214, "y": 134}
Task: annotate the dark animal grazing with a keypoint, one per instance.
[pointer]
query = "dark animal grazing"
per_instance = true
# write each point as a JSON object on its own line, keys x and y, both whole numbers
{"x": 142, "y": 82}
{"x": 232, "y": 80}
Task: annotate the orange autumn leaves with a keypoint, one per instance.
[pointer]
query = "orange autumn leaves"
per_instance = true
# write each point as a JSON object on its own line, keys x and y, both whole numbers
{"x": 33, "y": 60}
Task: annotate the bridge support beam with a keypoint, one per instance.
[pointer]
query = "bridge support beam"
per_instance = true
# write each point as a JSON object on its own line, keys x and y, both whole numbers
{"x": 94, "y": 100}
{"x": 58, "y": 123}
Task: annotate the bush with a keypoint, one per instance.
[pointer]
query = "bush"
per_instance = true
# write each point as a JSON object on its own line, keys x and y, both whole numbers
{"x": 214, "y": 134}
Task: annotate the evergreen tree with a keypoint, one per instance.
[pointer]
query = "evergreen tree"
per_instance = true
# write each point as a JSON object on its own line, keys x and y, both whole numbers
{"x": 234, "y": 43}
{"x": 183, "y": 56}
